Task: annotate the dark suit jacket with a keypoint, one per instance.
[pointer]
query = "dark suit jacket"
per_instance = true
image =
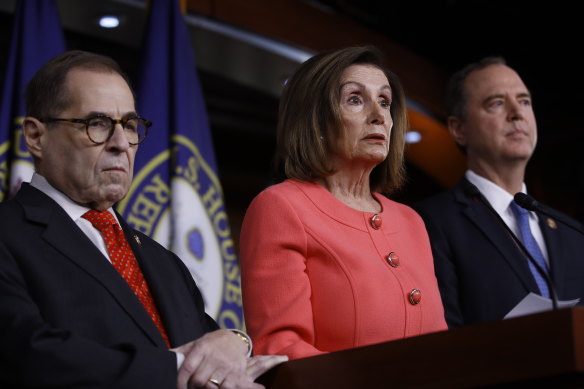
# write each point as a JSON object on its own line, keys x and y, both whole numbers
{"x": 481, "y": 271}
{"x": 69, "y": 320}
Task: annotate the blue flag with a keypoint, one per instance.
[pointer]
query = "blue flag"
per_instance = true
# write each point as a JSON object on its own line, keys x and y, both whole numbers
{"x": 176, "y": 197}
{"x": 36, "y": 38}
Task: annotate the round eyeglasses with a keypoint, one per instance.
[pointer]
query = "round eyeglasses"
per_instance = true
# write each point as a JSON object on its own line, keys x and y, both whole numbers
{"x": 100, "y": 128}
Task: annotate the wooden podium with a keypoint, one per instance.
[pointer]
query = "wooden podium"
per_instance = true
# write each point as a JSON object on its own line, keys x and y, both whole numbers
{"x": 544, "y": 350}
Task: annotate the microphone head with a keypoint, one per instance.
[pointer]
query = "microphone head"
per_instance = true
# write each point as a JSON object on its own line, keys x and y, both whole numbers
{"x": 526, "y": 201}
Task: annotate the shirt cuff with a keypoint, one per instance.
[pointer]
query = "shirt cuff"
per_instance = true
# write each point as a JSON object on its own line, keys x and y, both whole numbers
{"x": 245, "y": 339}
{"x": 180, "y": 358}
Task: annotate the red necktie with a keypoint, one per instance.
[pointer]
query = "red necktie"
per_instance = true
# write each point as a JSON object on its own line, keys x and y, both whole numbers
{"x": 125, "y": 262}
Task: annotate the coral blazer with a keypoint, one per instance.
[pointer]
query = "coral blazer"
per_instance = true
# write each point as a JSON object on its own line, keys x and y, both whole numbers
{"x": 316, "y": 275}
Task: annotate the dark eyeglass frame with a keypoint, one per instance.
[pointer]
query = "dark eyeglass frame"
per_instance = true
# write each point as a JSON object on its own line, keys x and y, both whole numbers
{"x": 141, "y": 121}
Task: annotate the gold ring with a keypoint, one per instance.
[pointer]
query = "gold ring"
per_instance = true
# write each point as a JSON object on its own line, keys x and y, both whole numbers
{"x": 214, "y": 382}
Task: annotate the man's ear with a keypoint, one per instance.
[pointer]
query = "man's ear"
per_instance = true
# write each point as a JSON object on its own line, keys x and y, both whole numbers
{"x": 456, "y": 130}
{"x": 34, "y": 133}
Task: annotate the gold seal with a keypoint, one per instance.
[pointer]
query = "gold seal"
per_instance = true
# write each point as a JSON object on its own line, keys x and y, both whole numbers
{"x": 552, "y": 223}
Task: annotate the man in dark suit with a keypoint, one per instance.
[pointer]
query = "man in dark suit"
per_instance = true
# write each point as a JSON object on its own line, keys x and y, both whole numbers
{"x": 482, "y": 271}
{"x": 86, "y": 301}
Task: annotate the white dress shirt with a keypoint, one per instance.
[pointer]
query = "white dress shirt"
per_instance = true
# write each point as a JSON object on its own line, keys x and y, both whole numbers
{"x": 501, "y": 200}
{"x": 74, "y": 210}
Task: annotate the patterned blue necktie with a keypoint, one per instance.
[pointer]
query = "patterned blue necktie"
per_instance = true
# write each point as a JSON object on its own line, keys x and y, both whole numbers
{"x": 522, "y": 216}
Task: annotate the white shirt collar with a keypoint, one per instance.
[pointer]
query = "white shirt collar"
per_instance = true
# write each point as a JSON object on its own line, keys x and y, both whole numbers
{"x": 501, "y": 200}
{"x": 498, "y": 197}
{"x": 74, "y": 210}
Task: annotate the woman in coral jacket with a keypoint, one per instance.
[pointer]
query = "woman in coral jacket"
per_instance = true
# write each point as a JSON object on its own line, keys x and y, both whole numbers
{"x": 327, "y": 261}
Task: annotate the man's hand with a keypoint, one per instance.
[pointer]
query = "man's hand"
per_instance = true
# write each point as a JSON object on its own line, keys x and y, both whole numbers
{"x": 219, "y": 357}
{"x": 259, "y": 364}
{"x": 215, "y": 355}
{"x": 256, "y": 366}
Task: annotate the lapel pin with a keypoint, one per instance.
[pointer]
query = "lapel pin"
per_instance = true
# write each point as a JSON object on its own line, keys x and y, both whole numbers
{"x": 140, "y": 243}
{"x": 552, "y": 223}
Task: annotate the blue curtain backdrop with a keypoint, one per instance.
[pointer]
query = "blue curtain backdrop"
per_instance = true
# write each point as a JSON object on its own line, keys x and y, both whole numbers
{"x": 176, "y": 197}
{"x": 36, "y": 37}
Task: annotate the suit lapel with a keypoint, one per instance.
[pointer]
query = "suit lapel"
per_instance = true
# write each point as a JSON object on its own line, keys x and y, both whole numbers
{"x": 160, "y": 275}
{"x": 63, "y": 234}
{"x": 552, "y": 238}
{"x": 477, "y": 210}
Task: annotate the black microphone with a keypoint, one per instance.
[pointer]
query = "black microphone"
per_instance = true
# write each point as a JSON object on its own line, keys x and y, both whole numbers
{"x": 529, "y": 203}
{"x": 473, "y": 191}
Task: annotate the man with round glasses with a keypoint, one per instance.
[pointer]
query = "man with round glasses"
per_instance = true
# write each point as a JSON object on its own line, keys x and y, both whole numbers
{"x": 100, "y": 128}
{"x": 86, "y": 301}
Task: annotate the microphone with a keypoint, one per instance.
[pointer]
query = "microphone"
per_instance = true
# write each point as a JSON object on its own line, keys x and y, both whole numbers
{"x": 529, "y": 203}
{"x": 476, "y": 193}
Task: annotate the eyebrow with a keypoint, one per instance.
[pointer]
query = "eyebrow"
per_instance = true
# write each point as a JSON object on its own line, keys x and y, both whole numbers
{"x": 124, "y": 116}
{"x": 362, "y": 86}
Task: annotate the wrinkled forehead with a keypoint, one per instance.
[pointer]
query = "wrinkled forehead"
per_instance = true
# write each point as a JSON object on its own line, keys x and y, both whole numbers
{"x": 103, "y": 91}
{"x": 494, "y": 80}
{"x": 361, "y": 70}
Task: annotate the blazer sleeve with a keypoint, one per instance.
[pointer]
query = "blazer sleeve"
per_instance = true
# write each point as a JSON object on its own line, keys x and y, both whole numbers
{"x": 34, "y": 353}
{"x": 275, "y": 284}
{"x": 444, "y": 267}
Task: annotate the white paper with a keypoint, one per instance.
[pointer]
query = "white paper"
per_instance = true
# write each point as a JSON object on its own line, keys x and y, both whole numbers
{"x": 534, "y": 303}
